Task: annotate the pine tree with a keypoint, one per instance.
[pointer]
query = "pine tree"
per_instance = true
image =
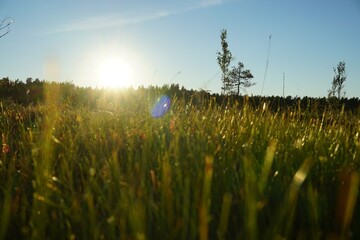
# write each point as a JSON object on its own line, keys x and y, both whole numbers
{"x": 240, "y": 78}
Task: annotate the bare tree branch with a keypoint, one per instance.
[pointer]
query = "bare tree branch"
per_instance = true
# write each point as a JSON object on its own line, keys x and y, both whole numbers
{"x": 5, "y": 26}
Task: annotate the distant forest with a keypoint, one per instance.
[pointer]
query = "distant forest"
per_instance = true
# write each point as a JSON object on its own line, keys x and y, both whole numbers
{"x": 34, "y": 91}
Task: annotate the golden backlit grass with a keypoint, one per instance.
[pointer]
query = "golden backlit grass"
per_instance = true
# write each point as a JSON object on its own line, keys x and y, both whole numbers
{"x": 199, "y": 172}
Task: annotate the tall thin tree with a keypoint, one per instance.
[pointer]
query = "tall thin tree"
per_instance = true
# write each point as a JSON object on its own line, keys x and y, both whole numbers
{"x": 338, "y": 80}
{"x": 224, "y": 58}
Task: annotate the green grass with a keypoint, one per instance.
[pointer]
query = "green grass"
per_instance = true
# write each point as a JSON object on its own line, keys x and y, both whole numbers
{"x": 199, "y": 172}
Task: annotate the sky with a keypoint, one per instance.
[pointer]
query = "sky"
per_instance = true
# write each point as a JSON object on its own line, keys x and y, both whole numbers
{"x": 139, "y": 42}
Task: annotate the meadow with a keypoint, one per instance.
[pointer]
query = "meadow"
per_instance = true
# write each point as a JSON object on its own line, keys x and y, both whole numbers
{"x": 198, "y": 170}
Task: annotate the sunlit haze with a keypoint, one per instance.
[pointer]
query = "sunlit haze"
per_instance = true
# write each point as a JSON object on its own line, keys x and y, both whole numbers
{"x": 109, "y": 44}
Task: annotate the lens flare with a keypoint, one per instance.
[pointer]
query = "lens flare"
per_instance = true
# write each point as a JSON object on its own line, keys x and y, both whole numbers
{"x": 161, "y": 107}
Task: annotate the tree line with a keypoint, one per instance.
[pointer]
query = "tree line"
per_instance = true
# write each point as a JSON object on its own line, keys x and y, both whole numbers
{"x": 34, "y": 91}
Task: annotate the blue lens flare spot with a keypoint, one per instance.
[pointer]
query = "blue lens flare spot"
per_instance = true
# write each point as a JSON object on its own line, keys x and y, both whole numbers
{"x": 161, "y": 107}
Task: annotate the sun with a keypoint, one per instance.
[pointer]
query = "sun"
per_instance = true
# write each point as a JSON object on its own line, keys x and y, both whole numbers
{"x": 115, "y": 73}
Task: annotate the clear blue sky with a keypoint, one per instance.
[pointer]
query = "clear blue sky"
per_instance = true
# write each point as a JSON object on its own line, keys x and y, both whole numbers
{"x": 165, "y": 42}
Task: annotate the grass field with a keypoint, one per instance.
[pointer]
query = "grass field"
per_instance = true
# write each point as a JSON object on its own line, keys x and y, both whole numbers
{"x": 200, "y": 171}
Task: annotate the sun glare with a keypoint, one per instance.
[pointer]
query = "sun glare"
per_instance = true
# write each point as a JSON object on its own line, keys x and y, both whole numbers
{"x": 115, "y": 73}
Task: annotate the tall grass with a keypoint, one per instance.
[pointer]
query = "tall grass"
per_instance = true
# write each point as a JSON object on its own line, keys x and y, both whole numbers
{"x": 199, "y": 172}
